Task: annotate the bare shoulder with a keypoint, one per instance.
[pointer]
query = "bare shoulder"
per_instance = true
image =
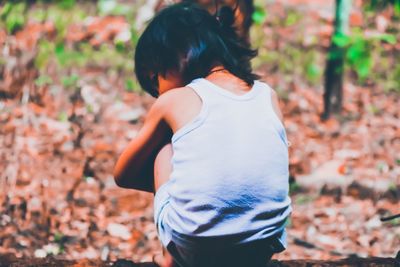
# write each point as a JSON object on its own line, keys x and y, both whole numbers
{"x": 184, "y": 91}
{"x": 181, "y": 105}
{"x": 171, "y": 97}
{"x": 178, "y": 97}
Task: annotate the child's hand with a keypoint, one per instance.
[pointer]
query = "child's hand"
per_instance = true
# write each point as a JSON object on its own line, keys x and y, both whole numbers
{"x": 135, "y": 166}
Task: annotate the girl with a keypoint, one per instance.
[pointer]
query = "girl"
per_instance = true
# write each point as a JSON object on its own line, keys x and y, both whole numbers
{"x": 213, "y": 148}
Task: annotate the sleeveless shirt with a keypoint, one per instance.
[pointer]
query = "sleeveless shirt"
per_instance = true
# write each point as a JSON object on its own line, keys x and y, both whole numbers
{"x": 229, "y": 182}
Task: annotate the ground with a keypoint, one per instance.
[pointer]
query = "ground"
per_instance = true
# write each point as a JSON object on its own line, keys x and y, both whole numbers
{"x": 64, "y": 122}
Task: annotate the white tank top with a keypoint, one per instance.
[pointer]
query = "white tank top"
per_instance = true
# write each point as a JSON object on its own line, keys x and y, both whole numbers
{"x": 230, "y": 169}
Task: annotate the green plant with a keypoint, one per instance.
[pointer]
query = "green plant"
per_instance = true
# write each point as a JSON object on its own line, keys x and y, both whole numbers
{"x": 373, "y": 5}
{"x": 292, "y": 18}
{"x": 68, "y": 57}
{"x": 134, "y": 36}
{"x": 13, "y": 15}
{"x": 313, "y": 71}
{"x": 62, "y": 116}
{"x": 291, "y": 60}
{"x": 374, "y": 110}
{"x": 392, "y": 81}
{"x": 130, "y": 85}
{"x": 59, "y": 239}
{"x": 294, "y": 188}
{"x": 259, "y": 15}
{"x": 70, "y": 81}
{"x": 392, "y": 186}
{"x": 66, "y": 4}
{"x": 37, "y": 14}
{"x": 63, "y": 17}
{"x": 359, "y": 50}
{"x": 89, "y": 108}
{"x": 112, "y": 7}
{"x": 43, "y": 80}
{"x": 120, "y": 46}
{"x": 303, "y": 199}
{"x": 45, "y": 51}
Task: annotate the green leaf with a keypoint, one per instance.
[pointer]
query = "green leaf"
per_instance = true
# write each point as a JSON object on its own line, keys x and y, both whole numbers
{"x": 6, "y": 10}
{"x": 373, "y": 109}
{"x": 397, "y": 8}
{"x": 43, "y": 80}
{"x": 66, "y": 4}
{"x": 70, "y": 81}
{"x": 313, "y": 71}
{"x": 120, "y": 46}
{"x": 341, "y": 40}
{"x": 121, "y": 10}
{"x": 59, "y": 50}
{"x": 38, "y": 15}
{"x": 45, "y": 52}
{"x": 68, "y": 58}
{"x": 303, "y": 199}
{"x": 60, "y": 54}
{"x": 134, "y": 36}
{"x": 363, "y": 67}
{"x": 89, "y": 108}
{"x": 130, "y": 85}
{"x": 63, "y": 117}
{"x": 58, "y": 237}
{"x": 292, "y": 18}
{"x": 294, "y": 187}
{"x": 14, "y": 16}
{"x": 259, "y": 15}
{"x": 106, "y": 6}
{"x": 357, "y": 50}
{"x": 389, "y": 38}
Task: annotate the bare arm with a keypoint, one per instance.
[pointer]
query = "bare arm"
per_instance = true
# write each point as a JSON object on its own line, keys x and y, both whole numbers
{"x": 135, "y": 166}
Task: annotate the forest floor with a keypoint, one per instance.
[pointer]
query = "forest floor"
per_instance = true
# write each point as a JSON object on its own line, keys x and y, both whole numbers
{"x": 64, "y": 122}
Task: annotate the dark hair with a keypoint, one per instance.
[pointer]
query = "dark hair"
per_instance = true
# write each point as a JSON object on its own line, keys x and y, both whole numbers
{"x": 186, "y": 38}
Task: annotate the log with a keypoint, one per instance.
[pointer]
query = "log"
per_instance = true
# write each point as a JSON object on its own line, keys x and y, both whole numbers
{"x": 9, "y": 260}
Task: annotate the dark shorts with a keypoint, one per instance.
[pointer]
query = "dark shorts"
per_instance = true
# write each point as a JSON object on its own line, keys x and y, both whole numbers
{"x": 254, "y": 254}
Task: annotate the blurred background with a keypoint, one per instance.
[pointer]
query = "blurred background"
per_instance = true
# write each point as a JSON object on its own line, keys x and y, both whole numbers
{"x": 69, "y": 104}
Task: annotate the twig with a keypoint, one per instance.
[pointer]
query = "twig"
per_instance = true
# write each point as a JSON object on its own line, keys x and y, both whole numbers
{"x": 384, "y": 219}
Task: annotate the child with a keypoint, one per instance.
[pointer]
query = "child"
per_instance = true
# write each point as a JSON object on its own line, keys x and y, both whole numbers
{"x": 212, "y": 148}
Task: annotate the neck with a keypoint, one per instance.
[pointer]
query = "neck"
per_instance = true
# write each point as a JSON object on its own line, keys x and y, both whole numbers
{"x": 217, "y": 69}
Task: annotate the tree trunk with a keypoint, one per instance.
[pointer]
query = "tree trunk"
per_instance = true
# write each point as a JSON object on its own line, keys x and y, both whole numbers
{"x": 333, "y": 94}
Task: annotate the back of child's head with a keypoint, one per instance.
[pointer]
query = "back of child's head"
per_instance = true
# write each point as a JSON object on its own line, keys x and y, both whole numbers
{"x": 186, "y": 39}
